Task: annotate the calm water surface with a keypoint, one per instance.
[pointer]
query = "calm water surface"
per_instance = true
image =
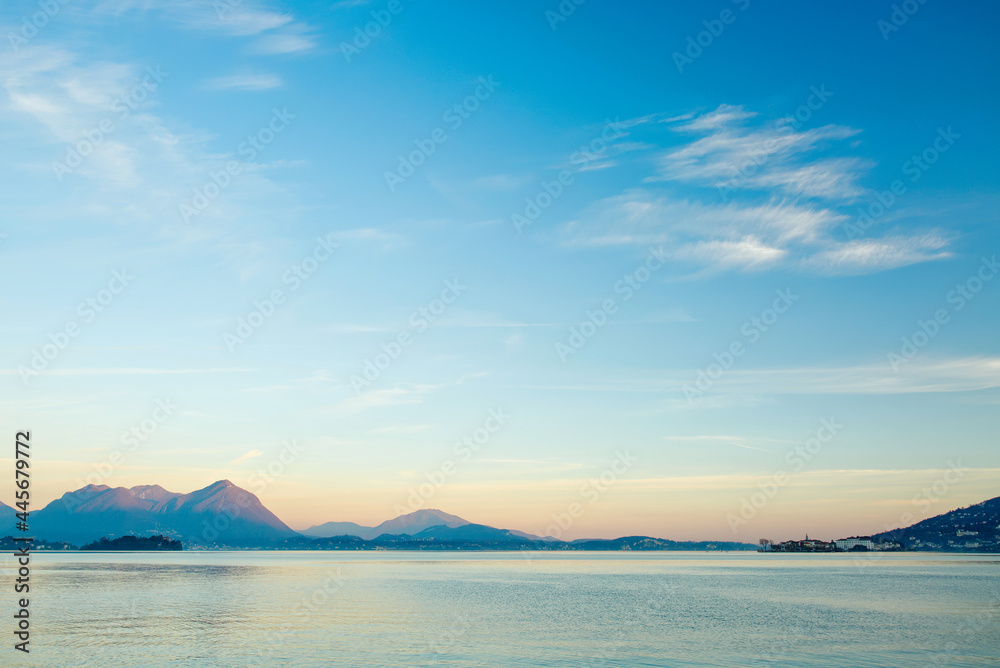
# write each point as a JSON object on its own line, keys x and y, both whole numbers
{"x": 247, "y": 609}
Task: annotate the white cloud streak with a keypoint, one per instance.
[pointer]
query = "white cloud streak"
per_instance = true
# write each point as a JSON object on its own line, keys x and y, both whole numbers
{"x": 247, "y": 81}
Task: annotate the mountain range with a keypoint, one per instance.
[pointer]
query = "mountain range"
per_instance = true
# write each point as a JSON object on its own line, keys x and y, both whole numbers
{"x": 410, "y": 523}
{"x": 220, "y": 514}
{"x": 224, "y": 515}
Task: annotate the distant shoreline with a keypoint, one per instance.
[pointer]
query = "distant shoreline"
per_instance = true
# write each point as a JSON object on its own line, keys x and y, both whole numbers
{"x": 499, "y": 551}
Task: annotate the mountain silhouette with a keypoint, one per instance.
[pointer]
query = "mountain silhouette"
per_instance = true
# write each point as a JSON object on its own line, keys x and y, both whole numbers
{"x": 328, "y": 529}
{"x": 470, "y": 533}
{"x": 220, "y": 514}
{"x": 975, "y": 528}
{"x": 6, "y": 518}
{"x": 410, "y": 523}
{"x": 225, "y": 515}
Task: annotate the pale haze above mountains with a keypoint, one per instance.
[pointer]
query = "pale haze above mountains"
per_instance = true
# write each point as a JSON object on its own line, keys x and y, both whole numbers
{"x": 223, "y": 515}
{"x": 220, "y": 514}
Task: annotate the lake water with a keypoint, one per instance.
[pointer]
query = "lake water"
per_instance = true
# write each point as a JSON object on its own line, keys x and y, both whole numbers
{"x": 246, "y": 609}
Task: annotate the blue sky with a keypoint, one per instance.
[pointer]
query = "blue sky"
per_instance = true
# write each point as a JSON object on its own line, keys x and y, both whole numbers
{"x": 596, "y": 165}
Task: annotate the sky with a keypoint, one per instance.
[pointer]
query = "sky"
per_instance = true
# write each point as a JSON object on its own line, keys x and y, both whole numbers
{"x": 719, "y": 271}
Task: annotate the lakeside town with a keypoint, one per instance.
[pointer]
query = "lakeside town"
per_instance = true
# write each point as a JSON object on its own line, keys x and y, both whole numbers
{"x": 975, "y": 528}
{"x": 854, "y": 544}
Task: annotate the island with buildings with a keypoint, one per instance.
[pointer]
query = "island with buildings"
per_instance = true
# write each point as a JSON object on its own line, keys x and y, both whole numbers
{"x": 853, "y": 544}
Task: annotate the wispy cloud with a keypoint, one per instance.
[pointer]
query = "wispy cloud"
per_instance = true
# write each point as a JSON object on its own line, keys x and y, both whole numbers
{"x": 737, "y": 441}
{"x": 964, "y": 374}
{"x": 118, "y": 371}
{"x": 904, "y": 480}
{"x": 461, "y": 319}
{"x": 489, "y": 320}
{"x": 246, "y": 456}
{"x": 639, "y": 216}
{"x": 482, "y": 319}
{"x": 861, "y": 256}
{"x": 69, "y": 100}
{"x": 502, "y": 182}
{"x": 927, "y": 375}
{"x": 724, "y": 116}
{"x": 745, "y": 237}
{"x": 776, "y": 156}
{"x": 400, "y": 394}
{"x": 746, "y": 253}
{"x": 780, "y": 196}
{"x": 285, "y": 42}
{"x": 393, "y": 396}
{"x": 274, "y": 32}
{"x": 401, "y": 429}
{"x": 369, "y": 234}
{"x": 355, "y": 328}
{"x": 248, "y": 81}
{"x": 605, "y": 145}
{"x": 233, "y": 17}
{"x": 141, "y": 166}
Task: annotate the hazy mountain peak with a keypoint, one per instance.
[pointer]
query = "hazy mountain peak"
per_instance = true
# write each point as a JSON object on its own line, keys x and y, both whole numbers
{"x": 429, "y": 513}
{"x": 146, "y": 488}
{"x": 98, "y": 510}
{"x": 152, "y": 493}
{"x": 89, "y": 489}
{"x": 417, "y": 521}
{"x": 409, "y": 523}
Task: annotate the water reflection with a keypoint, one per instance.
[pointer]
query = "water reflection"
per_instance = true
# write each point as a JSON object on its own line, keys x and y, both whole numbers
{"x": 403, "y": 609}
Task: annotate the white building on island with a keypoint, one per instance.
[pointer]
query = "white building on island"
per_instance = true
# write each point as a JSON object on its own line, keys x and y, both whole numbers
{"x": 847, "y": 544}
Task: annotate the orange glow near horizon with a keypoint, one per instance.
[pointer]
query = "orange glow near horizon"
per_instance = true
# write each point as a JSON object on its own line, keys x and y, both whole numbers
{"x": 826, "y": 504}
